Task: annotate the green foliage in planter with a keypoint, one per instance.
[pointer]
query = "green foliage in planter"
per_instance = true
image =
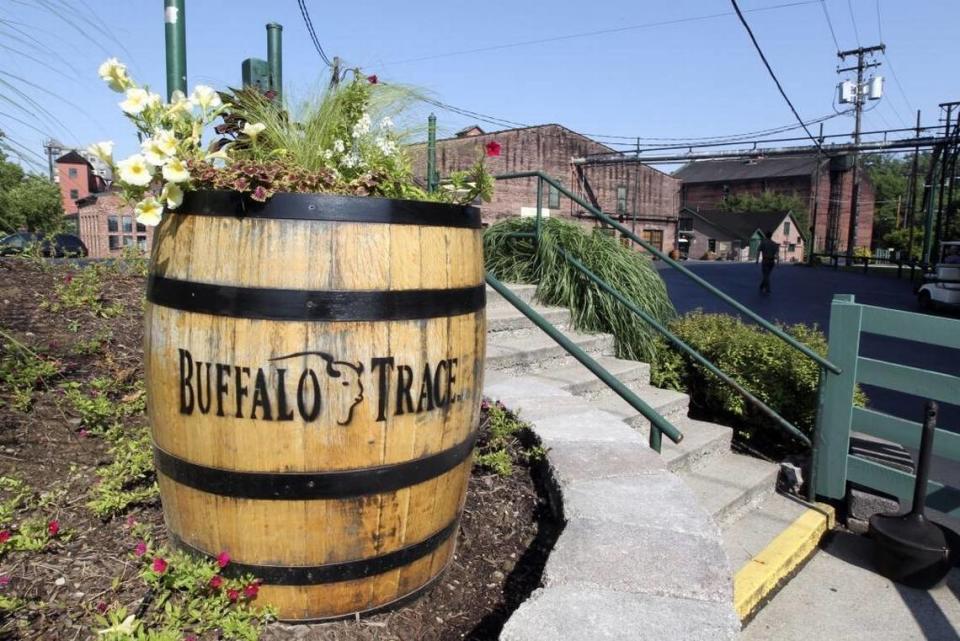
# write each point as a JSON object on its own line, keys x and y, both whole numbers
{"x": 83, "y": 291}
{"x": 519, "y": 260}
{"x": 500, "y": 430}
{"x": 22, "y": 371}
{"x": 130, "y": 478}
{"x": 774, "y": 372}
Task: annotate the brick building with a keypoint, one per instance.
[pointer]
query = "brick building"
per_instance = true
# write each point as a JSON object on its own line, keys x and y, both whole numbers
{"x": 645, "y": 199}
{"x": 825, "y": 187}
{"x": 105, "y": 224}
{"x": 711, "y": 234}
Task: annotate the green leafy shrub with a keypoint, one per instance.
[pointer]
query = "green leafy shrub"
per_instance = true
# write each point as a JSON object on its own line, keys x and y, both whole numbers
{"x": 520, "y": 260}
{"x": 774, "y": 372}
{"x": 500, "y": 430}
{"x": 84, "y": 291}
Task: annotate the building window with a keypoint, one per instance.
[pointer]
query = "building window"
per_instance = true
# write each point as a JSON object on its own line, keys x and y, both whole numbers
{"x": 712, "y": 245}
{"x": 114, "y": 242}
{"x": 553, "y": 197}
{"x": 72, "y": 172}
{"x": 685, "y": 224}
{"x": 654, "y": 237}
{"x": 142, "y": 242}
{"x": 74, "y": 194}
{"x": 141, "y": 228}
{"x": 792, "y": 247}
{"x": 786, "y": 228}
{"x": 127, "y": 225}
{"x": 621, "y": 200}
{"x": 113, "y": 224}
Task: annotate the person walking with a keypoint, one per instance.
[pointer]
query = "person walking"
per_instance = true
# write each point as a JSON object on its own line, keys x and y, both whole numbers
{"x": 769, "y": 254}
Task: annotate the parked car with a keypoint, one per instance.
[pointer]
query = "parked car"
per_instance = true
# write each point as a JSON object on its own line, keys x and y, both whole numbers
{"x": 60, "y": 246}
{"x": 943, "y": 286}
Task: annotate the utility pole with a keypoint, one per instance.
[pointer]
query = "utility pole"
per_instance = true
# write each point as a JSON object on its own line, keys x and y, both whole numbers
{"x": 175, "y": 35}
{"x": 912, "y": 195}
{"x": 946, "y": 166}
{"x": 812, "y": 249}
{"x": 335, "y": 73}
{"x": 861, "y": 91}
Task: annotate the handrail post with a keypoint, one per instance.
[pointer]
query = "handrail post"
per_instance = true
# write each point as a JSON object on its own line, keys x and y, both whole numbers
{"x": 815, "y": 437}
{"x": 539, "y": 205}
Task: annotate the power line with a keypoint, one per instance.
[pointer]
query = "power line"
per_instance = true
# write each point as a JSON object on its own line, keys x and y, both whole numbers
{"x": 893, "y": 72}
{"x": 783, "y": 93}
{"x": 826, "y": 14}
{"x": 599, "y": 32}
{"x": 313, "y": 34}
{"x": 853, "y": 21}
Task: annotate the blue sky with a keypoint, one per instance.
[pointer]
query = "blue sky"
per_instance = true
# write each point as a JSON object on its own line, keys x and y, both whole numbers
{"x": 696, "y": 76}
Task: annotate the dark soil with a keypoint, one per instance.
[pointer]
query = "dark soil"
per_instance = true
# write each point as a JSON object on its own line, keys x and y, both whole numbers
{"x": 505, "y": 535}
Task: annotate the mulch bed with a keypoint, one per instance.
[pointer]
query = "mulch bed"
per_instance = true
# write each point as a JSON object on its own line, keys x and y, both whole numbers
{"x": 505, "y": 535}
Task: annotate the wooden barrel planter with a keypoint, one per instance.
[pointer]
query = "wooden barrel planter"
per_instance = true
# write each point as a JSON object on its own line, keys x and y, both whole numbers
{"x": 314, "y": 374}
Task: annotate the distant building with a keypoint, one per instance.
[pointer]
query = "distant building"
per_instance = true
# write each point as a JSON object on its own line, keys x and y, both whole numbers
{"x": 105, "y": 224}
{"x": 645, "y": 199}
{"x": 728, "y": 236}
{"x": 825, "y": 187}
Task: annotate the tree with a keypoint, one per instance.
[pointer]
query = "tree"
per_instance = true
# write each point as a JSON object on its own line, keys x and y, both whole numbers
{"x": 770, "y": 201}
{"x": 28, "y": 202}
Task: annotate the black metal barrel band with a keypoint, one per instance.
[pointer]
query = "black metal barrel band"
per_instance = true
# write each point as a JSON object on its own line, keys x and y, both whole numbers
{"x": 261, "y": 303}
{"x": 307, "y": 486}
{"x": 330, "y": 208}
{"x": 331, "y": 572}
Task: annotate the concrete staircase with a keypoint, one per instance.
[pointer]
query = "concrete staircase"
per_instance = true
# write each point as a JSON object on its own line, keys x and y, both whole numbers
{"x": 737, "y": 491}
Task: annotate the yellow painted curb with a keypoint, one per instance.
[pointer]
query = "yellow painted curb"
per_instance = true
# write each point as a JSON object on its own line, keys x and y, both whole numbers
{"x": 764, "y": 572}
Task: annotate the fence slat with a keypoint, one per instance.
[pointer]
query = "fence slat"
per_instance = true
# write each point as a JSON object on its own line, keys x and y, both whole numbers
{"x": 914, "y": 327}
{"x": 912, "y": 380}
{"x": 907, "y": 433}
{"x": 900, "y": 484}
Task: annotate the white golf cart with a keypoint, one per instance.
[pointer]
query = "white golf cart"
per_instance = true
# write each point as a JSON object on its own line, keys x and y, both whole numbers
{"x": 943, "y": 286}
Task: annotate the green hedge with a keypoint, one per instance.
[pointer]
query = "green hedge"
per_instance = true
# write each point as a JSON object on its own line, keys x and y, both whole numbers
{"x": 774, "y": 372}
{"x": 520, "y": 260}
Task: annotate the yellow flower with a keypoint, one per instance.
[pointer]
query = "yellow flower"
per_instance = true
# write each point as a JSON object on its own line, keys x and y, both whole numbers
{"x": 149, "y": 211}
{"x": 172, "y": 195}
{"x": 253, "y": 129}
{"x": 179, "y": 106}
{"x": 138, "y": 100}
{"x": 135, "y": 170}
{"x": 115, "y": 75}
{"x": 103, "y": 151}
{"x": 206, "y": 97}
{"x": 176, "y": 171}
{"x": 159, "y": 149}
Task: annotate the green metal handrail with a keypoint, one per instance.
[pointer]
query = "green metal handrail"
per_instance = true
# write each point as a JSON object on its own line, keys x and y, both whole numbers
{"x": 806, "y": 351}
{"x": 692, "y": 353}
{"x": 658, "y": 424}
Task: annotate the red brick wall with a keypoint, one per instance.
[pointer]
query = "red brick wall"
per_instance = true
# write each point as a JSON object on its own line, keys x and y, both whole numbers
{"x": 550, "y": 148}
{"x": 94, "y": 227}
{"x": 83, "y": 182}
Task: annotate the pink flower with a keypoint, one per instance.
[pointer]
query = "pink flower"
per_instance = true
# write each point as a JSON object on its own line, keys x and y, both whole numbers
{"x": 53, "y": 527}
{"x": 101, "y": 607}
{"x": 141, "y": 548}
{"x": 159, "y": 565}
{"x": 131, "y": 521}
{"x": 4, "y": 536}
{"x": 493, "y": 149}
{"x": 233, "y": 595}
{"x": 83, "y": 433}
{"x": 189, "y": 637}
{"x": 251, "y": 591}
{"x": 223, "y": 559}
{"x": 4, "y": 581}
{"x": 373, "y": 79}
{"x": 216, "y": 581}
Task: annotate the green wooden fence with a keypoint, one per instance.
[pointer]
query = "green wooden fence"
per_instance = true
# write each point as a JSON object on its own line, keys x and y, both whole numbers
{"x": 837, "y": 417}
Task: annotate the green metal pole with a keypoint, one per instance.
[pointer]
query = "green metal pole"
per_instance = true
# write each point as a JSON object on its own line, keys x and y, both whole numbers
{"x": 657, "y": 423}
{"x": 176, "y": 43}
{"x": 275, "y": 58}
{"x": 539, "y": 206}
{"x": 432, "y": 153}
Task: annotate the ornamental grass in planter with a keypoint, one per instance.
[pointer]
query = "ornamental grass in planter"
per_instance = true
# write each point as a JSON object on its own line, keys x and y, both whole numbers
{"x": 314, "y": 340}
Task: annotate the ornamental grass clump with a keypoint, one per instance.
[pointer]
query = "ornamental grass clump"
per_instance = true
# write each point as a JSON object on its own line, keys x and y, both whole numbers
{"x": 520, "y": 260}
{"x": 344, "y": 141}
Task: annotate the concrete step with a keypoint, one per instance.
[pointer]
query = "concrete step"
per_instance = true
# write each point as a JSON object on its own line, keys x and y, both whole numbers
{"x": 577, "y": 379}
{"x": 503, "y": 318}
{"x": 520, "y": 354}
{"x": 728, "y": 486}
{"x": 670, "y": 404}
{"x": 524, "y": 292}
{"x": 746, "y": 537}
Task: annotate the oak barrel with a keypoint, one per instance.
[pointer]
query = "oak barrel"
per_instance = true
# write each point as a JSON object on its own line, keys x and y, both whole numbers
{"x": 314, "y": 374}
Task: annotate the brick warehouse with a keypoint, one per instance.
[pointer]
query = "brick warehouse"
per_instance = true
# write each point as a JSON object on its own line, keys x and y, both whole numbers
{"x": 105, "y": 224}
{"x": 646, "y": 199}
{"x": 826, "y": 189}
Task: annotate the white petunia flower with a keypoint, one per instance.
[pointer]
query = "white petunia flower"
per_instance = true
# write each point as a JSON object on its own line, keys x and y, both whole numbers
{"x": 159, "y": 149}
{"x": 126, "y": 627}
{"x": 172, "y": 195}
{"x": 205, "y": 97}
{"x": 253, "y": 129}
{"x": 103, "y": 151}
{"x": 114, "y": 73}
{"x": 137, "y": 100}
{"x": 176, "y": 171}
{"x": 179, "y": 106}
{"x": 338, "y": 146}
{"x": 135, "y": 170}
{"x": 149, "y": 211}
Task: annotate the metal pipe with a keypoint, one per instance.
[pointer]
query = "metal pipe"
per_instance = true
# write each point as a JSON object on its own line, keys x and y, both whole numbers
{"x": 432, "y": 153}
{"x": 275, "y": 58}
{"x": 683, "y": 270}
{"x": 689, "y": 351}
{"x": 175, "y": 39}
{"x": 661, "y": 424}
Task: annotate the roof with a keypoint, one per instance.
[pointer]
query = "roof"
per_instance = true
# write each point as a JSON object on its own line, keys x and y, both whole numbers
{"x": 73, "y": 158}
{"x": 705, "y": 171}
{"x": 467, "y": 130}
{"x": 740, "y": 225}
{"x": 513, "y": 129}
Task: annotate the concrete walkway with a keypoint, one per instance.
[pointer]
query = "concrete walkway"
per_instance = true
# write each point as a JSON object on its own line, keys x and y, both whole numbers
{"x": 838, "y": 596}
